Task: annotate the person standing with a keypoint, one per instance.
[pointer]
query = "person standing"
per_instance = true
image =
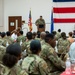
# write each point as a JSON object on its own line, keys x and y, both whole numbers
{"x": 21, "y": 38}
{"x": 40, "y": 23}
{"x": 58, "y": 34}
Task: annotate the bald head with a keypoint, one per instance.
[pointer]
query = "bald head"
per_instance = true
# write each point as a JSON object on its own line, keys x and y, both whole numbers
{"x": 42, "y": 35}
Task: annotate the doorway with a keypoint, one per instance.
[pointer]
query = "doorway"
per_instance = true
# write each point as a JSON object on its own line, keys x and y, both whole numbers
{"x": 14, "y": 22}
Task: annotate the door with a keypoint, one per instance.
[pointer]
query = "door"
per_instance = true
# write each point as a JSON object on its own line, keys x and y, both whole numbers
{"x": 14, "y": 22}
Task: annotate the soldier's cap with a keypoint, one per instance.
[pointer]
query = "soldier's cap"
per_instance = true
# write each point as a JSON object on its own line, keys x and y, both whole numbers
{"x": 14, "y": 49}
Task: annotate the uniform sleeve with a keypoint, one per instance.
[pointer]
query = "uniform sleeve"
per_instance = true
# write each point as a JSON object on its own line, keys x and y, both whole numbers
{"x": 23, "y": 46}
{"x": 53, "y": 57}
{"x": 17, "y": 39}
{"x": 43, "y": 68}
{"x": 23, "y": 72}
{"x": 43, "y": 21}
{"x": 36, "y": 23}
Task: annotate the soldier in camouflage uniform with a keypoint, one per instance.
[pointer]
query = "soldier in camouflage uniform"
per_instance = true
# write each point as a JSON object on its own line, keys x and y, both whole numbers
{"x": 38, "y": 35}
{"x": 63, "y": 45}
{"x": 42, "y": 38}
{"x": 21, "y": 38}
{"x": 10, "y": 59}
{"x": 34, "y": 64}
{"x": 58, "y": 34}
{"x": 55, "y": 64}
{"x": 8, "y": 38}
{"x": 26, "y": 44}
{"x": 40, "y": 23}
{"x": 2, "y": 52}
{"x": 4, "y": 40}
{"x": 1, "y": 41}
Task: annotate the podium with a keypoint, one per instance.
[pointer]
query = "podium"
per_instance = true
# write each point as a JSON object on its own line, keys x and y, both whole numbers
{"x": 41, "y": 27}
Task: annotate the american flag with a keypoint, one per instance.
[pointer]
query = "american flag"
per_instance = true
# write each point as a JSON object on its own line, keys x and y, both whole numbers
{"x": 30, "y": 21}
{"x": 64, "y": 12}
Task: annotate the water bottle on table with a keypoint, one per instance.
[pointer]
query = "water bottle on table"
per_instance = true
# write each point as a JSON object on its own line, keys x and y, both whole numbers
{"x": 68, "y": 66}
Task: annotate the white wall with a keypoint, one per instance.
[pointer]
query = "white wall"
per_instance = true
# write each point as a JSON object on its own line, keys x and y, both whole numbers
{"x": 1, "y": 15}
{"x": 38, "y": 7}
{"x": 22, "y": 7}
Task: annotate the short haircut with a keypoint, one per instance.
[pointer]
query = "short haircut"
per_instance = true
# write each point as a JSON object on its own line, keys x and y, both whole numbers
{"x": 38, "y": 34}
{"x": 59, "y": 30}
{"x": 21, "y": 32}
{"x": 70, "y": 33}
{"x": 46, "y": 32}
{"x": 3, "y": 34}
{"x": 48, "y": 36}
{"x": 35, "y": 46}
{"x": 41, "y": 16}
{"x": 29, "y": 35}
{"x": 8, "y": 33}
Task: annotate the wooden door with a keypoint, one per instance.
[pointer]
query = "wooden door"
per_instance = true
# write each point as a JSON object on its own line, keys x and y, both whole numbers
{"x": 14, "y": 22}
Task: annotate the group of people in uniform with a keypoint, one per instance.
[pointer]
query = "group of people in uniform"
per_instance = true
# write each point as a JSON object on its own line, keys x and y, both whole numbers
{"x": 33, "y": 54}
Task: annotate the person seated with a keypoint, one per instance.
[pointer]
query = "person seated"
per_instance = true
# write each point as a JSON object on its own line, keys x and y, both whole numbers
{"x": 26, "y": 45}
{"x": 38, "y": 35}
{"x": 10, "y": 60}
{"x": 4, "y": 40}
{"x": 42, "y": 37}
{"x": 34, "y": 35}
{"x": 34, "y": 64}
{"x": 2, "y": 52}
{"x": 8, "y": 37}
{"x": 55, "y": 64}
{"x": 58, "y": 34}
{"x": 21, "y": 38}
{"x": 63, "y": 46}
{"x": 70, "y": 38}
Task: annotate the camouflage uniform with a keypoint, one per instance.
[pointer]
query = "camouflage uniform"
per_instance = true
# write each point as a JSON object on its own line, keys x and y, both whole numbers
{"x": 1, "y": 41}
{"x": 26, "y": 46}
{"x": 10, "y": 40}
{"x": 23, "y": 38}
{"x": 16, "y": 70}
{"x": 38, "y": 39}
{"x": 7, "y": 40}
{"x": 34, "y": 65}
{"x": 42, "y": 42}
{"x": 38, "y": 22}
{"x": 63, "y": 46}
{"x": 58, "y": 35}
{"x": 2, "y": 52}
{"x": 55, "y": 64}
